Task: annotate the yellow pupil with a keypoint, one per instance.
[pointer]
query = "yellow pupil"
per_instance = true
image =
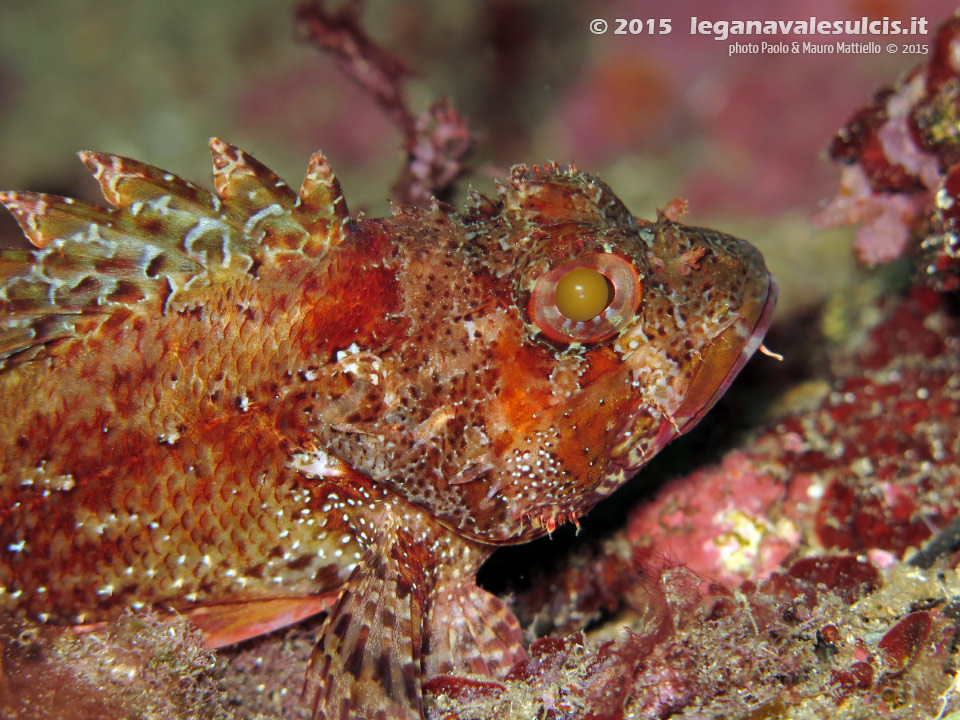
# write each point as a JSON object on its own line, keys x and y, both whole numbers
{"x": 582, "y": 294}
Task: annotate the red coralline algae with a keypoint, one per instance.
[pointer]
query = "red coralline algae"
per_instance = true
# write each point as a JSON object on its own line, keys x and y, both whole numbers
{"x": 847, "y": 576}
{"x": 939, "y": 253}
{"x": 436, "y": 141}
{"x": 919, "y": 648}
{"x": 900, "y": 178}
{"x": 873, "y": 467}
{"x": 808, "y": 642}
{"x": 717, "y": 520}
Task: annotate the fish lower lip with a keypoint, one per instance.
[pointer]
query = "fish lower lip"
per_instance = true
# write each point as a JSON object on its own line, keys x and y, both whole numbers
{"x": 694, "y": 405}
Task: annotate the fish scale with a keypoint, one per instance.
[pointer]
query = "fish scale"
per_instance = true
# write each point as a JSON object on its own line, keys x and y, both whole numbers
{"x": 250, "y": 406}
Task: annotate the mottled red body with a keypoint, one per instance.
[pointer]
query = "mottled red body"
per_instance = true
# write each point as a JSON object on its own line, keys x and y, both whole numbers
{"x": 245, "y": 406}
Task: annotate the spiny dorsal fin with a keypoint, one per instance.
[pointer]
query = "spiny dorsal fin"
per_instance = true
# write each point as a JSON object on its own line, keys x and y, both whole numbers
{"x": 320, "y": 192}
{"x": 86, "y": 267}
{"x": 264, "y": 206}
{"x": 163, "y": 235}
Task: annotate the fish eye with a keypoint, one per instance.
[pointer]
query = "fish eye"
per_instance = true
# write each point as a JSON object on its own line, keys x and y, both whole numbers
{"x": 586, "y": 300}
{"x": 583, "y": 293}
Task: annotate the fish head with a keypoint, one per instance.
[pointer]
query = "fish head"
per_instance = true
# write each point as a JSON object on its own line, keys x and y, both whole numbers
{"x": 553, "y": 344}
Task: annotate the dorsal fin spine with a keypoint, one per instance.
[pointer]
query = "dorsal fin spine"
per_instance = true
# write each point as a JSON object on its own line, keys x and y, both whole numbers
{"x": 161, "y": 236}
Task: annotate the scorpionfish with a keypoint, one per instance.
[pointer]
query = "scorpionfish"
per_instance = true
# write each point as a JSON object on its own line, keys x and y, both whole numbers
{"x": 249, "y": 406}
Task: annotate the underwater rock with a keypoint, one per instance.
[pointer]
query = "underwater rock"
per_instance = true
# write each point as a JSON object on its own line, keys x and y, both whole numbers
{"x": 131, "y": 667}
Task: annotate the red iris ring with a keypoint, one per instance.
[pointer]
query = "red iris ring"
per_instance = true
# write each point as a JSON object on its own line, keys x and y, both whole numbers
{"x": 627, "y": 292}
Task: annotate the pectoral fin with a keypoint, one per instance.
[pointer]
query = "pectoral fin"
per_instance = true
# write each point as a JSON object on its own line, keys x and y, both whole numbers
{"x": 367, "y": 661}
{"x": 471, "y": 631}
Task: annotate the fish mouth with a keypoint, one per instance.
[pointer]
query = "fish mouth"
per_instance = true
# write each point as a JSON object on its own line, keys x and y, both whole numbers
{"x": 721, "y": 362}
